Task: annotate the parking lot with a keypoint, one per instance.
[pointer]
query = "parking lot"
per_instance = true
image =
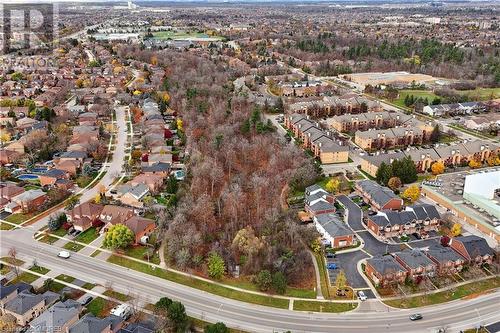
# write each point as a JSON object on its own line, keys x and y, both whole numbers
{"x": 348, "y": 263}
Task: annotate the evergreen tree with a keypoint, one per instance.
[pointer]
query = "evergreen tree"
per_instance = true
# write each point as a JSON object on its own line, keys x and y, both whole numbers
{"x": 384, "y": 173}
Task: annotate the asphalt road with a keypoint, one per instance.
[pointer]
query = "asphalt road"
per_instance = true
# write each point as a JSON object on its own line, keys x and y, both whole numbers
{"x": 252, "y": 318}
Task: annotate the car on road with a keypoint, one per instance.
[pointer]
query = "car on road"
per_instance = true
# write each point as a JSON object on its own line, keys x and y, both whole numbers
{"x": 86, "y": 300}
{"x": 416, "y": 316}
{"x": 332, "y": 265}
{"x": 331, "y": 255}
{"x": 64, "y": 254}
{"x": 362, "y": 296}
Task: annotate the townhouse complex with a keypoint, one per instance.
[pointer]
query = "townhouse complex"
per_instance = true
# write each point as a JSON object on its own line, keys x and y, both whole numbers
{"x": 336, "y": 105}
{"x": 321, "y": 142}
{"x": 457, "y": 154}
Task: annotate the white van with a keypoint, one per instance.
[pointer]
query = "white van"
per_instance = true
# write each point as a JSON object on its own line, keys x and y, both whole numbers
{"x": 123, "y": 311}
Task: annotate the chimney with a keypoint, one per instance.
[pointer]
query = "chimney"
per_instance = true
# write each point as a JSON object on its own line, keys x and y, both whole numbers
{"x": 320, "y": 144}
{"x": 482, "y": 147}
{"x": 327, "y": 133}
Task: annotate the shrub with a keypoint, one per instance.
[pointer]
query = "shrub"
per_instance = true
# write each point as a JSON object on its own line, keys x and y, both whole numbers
{"x": 279, "y": 283}
{"x": 264, "y": 280}
{"x": 216, "y": 266}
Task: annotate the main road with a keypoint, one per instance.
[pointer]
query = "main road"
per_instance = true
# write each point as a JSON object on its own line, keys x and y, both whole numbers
{"x": 253, "y": 318}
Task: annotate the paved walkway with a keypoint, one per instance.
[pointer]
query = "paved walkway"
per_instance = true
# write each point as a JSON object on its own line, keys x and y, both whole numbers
{"x": 88, "y": 250}
{"x": 319, "y": 292}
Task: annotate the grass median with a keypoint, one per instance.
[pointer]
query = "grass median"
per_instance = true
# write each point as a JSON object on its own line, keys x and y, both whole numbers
{"x": 199, "y": 284}
{"x": 467, "y": 290}
{"x": 317, "y": 306}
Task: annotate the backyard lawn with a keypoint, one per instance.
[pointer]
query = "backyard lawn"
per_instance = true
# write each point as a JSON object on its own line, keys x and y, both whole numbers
{"x": 100, "y": 307}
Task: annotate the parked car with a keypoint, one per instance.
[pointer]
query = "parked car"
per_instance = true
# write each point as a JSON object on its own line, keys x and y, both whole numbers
{"x": 362, "y": 296}
{"x": 332, "y": 265}
{"x": 64, "y": 254}
{"x": 331, "y": 255}
{"x": 416, "y": 316}
{"x": 87, "y": 300}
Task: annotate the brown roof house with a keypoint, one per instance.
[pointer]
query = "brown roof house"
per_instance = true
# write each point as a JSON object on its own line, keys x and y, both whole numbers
{"x": 83, "y": 215}
{"x": 384, "y": 270}
{"x": 153, "y": 181}
{"x": 112, "y": 215}
{"x": 50, "y": 177}
{"x": 473, "y": 248}
{"x": 27, "y": 202}
{"x": 141, "y": 227}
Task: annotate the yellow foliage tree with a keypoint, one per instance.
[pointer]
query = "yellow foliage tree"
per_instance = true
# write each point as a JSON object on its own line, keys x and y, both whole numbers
{"x": 412, "y": 193}
{"x": 97, "y": 198}
{"x": 456, "y": 230}
{"x": 154, "y": 60}
{"x": 5, "y": 137}
{"x": 180, "y": 124}
{"x": 137, "y": 92}
{"x": 333, "y": 185}
{"x": 474, "y": 164}
{"x": 437, "y": 168}
{"x": 164, "y": 96}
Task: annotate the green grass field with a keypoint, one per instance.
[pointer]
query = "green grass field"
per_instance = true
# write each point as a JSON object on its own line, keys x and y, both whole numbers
{"x": 323, "y": 306}
{"x": 416, "y": 93}
{"x": 481, "y": 94}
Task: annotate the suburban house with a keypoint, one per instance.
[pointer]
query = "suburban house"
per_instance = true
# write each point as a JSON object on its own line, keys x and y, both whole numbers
{"x": 415, "y": 219}
{"x": 318, "y": 201}
{"x": 153, "y": 181}
{"x": 335, "y": 231}
{"x": 58, "y": 318}
{"x": 160, "y": 168}
{"x": 83, "y": 215}
{"x": 9, "y": 292}
{"x": 140, "y": 226}
{"x": 26, "y": 305}
{"x": 385, "y": 270}
{"x": 112, "y": 215}
{"x": 447, "y": 260}
{"x": 27, "y": 202}
{"x": 91, "y": 324}
{"x": 50, "y": 177}
{"x": 132, "y": 195}
{"x": 138, "y": 328}
{"x": 474, "y": 249}
{"x": 377, "y": 196}
{"x": 9, "y": 156}
{"x": 7, "y": 192}
{"x": 417, "y": 264}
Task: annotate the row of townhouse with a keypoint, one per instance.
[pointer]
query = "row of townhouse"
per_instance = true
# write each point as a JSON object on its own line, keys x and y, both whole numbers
{"x": 377, "y": 196}
{"x": 415, "y": 264}
{"x": 333, "y": 105}
{"x": 301, "y": 89}
{"x": 449, "y": 155}
{"x": 45, "y": 312}
{"x": 398, "y": 137}
{"x": 418, "y": 219}
{"x": 455, "y": 109}
{"x": 319, "y": 204}
{"x": 320, "y": 142}
{"x": 88, "y": 214}
{"x": 377, "y": 120}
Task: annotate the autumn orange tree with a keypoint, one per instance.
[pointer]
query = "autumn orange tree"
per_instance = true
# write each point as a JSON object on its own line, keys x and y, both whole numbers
{"x": 474, "y": 164}
{"x": 437, "y": 168}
